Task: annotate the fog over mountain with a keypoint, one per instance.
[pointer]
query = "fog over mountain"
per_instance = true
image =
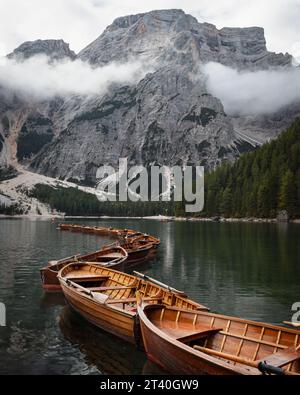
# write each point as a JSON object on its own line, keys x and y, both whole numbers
{"x": 253, "y": 92}
{"x": 156, "y": 87}
{"x": 38, "y": 78}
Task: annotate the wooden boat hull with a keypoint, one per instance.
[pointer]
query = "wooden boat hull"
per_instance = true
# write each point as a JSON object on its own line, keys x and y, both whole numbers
{"x": 135, "y": 255}
{"x": 49, "y": 279}
{"x": 50, "y": 282}
{"x": 113, "y": 232}
{"x": 162, "y": 353}
{"x": 49, "y": 273}
{"x": 116, "y": 322}
{"x": 139, "y": 256}
{"x": 170, "y": 342}
{"x": 107, "y": 298}
{"x": 176, "y": 361}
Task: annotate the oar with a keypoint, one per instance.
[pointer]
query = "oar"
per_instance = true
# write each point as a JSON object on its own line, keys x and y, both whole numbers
{"x": 75, "y": 285}
{"x": 261, "y": 366}
{"x": 294, "y": 324}
{"x": 144, "y": 277}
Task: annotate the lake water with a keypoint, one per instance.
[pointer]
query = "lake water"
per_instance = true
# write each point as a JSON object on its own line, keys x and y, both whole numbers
{"x": 249, "y": 270}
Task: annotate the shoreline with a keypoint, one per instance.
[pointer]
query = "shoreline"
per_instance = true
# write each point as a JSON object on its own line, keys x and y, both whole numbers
{"x": 161, "y": 218}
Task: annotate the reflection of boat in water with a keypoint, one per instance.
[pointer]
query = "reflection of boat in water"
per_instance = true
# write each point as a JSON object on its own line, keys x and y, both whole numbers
{"x": 108, "y": 353}
{"x": 52, "y": 299}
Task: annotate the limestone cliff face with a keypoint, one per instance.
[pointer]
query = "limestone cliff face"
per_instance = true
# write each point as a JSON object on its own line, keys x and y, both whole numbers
{"x": 168, "y": 117}
{"x": 171, "y": 36}
{"x": 54, "y": 49}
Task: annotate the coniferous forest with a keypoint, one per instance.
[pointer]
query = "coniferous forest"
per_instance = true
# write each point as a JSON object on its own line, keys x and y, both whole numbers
{"x": 260, "y": 183}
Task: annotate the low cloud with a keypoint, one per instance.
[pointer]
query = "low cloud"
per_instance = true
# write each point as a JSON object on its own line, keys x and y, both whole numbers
{"x": 40, "y": 79}
{"x": 257, "y": 92}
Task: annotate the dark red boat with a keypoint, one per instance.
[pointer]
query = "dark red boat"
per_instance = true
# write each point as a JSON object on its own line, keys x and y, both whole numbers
{"x": 113, "y": 257}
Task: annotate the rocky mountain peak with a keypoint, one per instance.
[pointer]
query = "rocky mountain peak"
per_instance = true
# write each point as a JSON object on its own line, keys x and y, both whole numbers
{"x": 54, "y": 49}
{"x": 171, "y": 36}
{"x": 166, "y": 16}
{"x": 168, "y": 117}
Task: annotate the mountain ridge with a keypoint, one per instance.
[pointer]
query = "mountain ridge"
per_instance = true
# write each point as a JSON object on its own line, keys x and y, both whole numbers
{"x": 167, "y": 117}
{"x": 54, "y": 49}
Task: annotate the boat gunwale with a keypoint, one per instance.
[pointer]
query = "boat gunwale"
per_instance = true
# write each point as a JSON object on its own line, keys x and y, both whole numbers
{"x": 77, "y": 259}
{"x": 135, "y": 280}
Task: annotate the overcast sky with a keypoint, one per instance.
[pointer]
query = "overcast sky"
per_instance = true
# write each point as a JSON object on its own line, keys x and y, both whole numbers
{"x": 79, "y": 22}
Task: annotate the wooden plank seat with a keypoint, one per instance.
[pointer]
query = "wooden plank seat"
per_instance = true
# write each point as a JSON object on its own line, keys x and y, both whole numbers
{"x": 111, "y": 288}
{"x": 130, "y": 300}
{"x": 87, "y": 278}
{"x": 282, "y": 357}
{"x": 196, "y": 335}
{"x": 186, "y": 335}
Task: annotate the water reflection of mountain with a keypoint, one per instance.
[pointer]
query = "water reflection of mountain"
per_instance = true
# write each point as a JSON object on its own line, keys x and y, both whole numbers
{"x": 236, "y": 268}
{"x": 108, "y": 353}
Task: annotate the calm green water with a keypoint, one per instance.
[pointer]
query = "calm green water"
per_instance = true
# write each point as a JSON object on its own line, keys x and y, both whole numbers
{"x": 249, "y": 270}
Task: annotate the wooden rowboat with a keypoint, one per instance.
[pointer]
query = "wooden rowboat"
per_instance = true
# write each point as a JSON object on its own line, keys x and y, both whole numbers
{"x": 139, "y": 246}
{"x": 138, "y": 249}
{"x": 136, "y": 235}
{"x": 107, "y": 298}
{"x": 120, "y": 255}
{"x": 143, "y": 238}
{"x": 113, "y": 256}
{"x": 100, "y": 230}
{"x": 199, "y": 342}
{"x": 113, "y": 232}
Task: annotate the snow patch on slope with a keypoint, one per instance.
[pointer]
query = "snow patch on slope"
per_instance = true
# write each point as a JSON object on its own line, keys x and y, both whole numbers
{"x": 16, "y": 190}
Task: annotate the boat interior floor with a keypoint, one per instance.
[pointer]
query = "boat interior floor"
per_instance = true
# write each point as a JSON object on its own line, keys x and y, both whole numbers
{"x": 201, "y": 333}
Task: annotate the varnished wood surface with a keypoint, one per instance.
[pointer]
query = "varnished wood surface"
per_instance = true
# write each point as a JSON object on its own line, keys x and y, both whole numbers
{"x": 170, "y": 334}
{"x": 114, "y": 256}
{"x": 107, "y": 298}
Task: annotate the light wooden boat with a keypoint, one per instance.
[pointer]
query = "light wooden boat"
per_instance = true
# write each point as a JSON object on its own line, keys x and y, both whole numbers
{"x": 199, "y": 342}
{"x": 107, "y": 298}
{"x": 113, "y": 256}
{"x": 108, "y": 353}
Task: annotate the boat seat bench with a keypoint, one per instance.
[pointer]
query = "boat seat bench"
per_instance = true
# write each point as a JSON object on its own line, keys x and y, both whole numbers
{"x": 111, "y": 288}
{"x": 130, "y": 300}
{"x": 198, "y": 335}
{"x": 187, "y": 335}
{"x": 87, "y": 278}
